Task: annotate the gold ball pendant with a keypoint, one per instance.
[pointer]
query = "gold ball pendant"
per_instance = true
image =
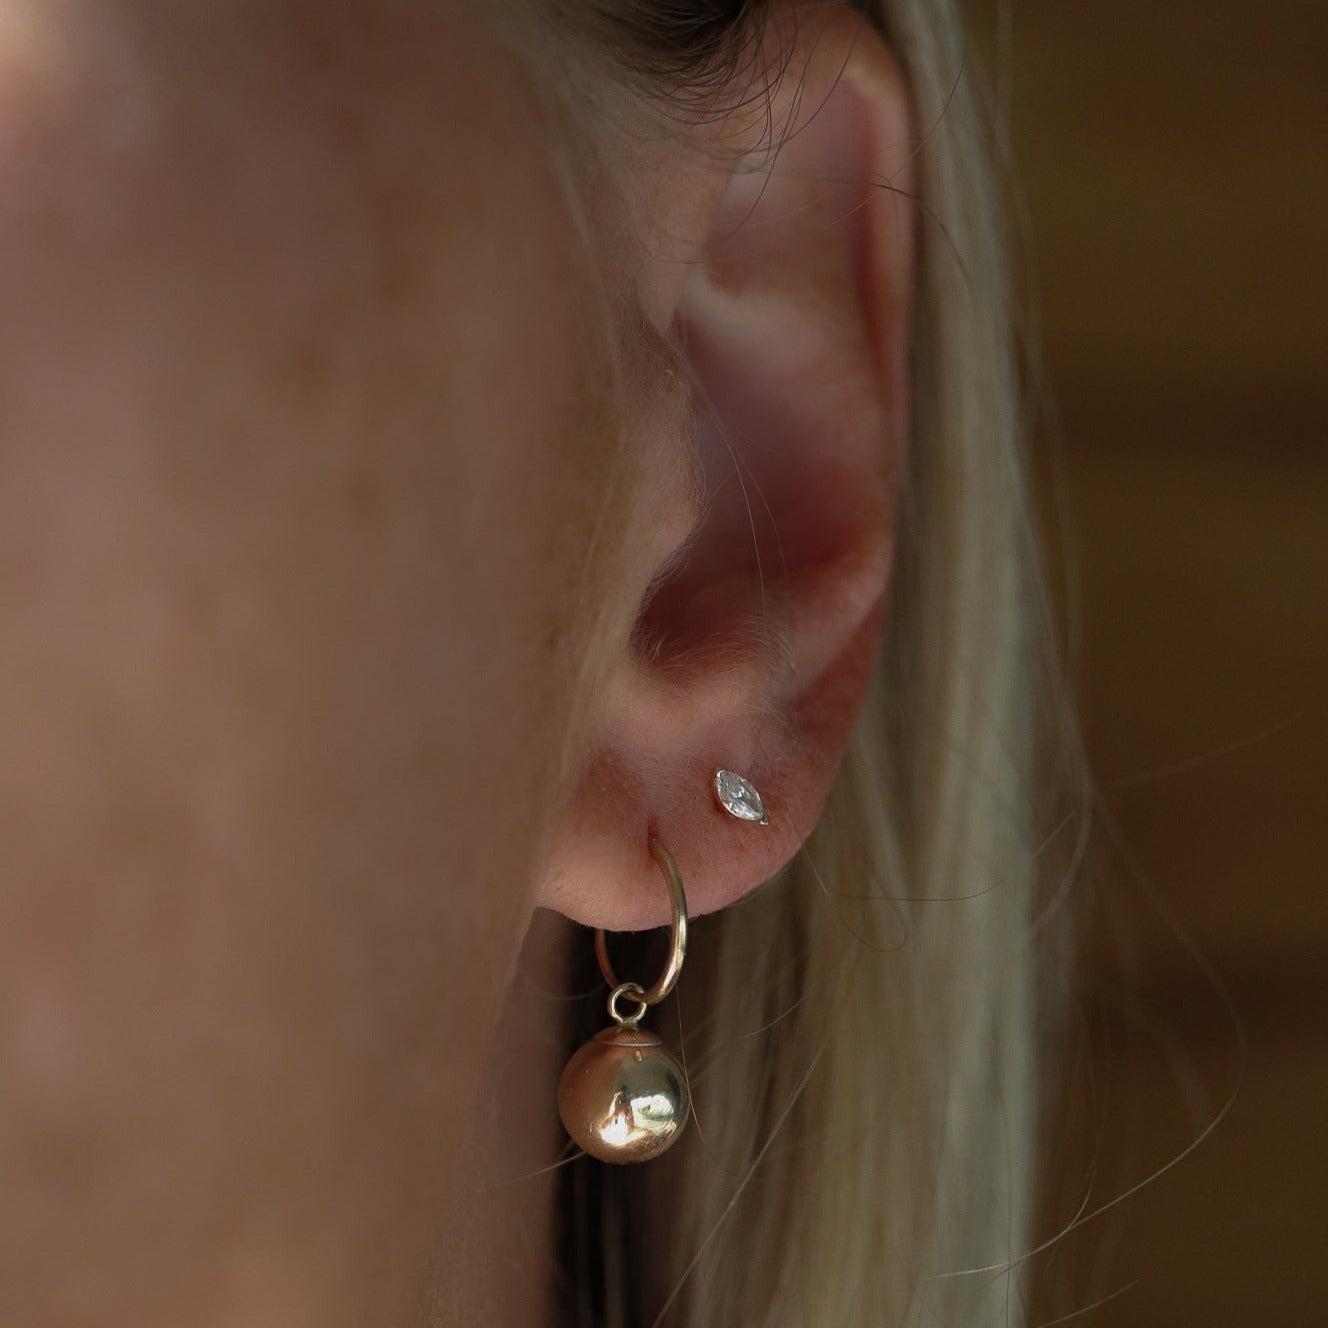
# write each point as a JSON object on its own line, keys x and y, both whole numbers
{"x": 623, "y": 1097}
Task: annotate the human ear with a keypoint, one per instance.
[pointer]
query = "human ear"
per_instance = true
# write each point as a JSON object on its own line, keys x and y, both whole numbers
{"x": 755, "y": 645}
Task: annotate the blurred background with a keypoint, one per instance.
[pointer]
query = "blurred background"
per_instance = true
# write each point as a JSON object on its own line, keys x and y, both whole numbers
{"x": 1169, "y": 176}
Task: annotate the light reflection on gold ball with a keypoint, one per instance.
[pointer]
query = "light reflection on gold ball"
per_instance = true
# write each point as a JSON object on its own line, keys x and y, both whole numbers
{"x": 623, "y": 1097}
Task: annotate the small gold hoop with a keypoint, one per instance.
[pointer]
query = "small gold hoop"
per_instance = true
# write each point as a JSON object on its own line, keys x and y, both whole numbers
{"x": 678, "y": 947}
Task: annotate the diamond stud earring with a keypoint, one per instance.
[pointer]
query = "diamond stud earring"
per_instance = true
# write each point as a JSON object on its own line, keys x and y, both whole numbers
{"x": 738, "y": 796}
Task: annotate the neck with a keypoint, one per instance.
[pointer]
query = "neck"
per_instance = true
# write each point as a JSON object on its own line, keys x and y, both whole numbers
{"x": 497, "y": 1259}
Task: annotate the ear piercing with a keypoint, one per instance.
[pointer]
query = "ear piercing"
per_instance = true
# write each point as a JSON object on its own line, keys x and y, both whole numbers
{"x": 624, "y": 1097}
{"x": 738, "y": 796}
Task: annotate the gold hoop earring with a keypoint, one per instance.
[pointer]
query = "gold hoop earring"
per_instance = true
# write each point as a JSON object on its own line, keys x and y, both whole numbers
{"x": 623, "y": 1096}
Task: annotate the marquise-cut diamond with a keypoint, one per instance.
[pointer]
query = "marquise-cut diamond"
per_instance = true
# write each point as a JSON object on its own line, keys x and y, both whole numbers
{"x": 738, "y": 797}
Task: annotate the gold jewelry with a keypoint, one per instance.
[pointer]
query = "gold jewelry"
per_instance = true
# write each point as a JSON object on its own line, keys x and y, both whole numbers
{"x": 623, "y": 1096}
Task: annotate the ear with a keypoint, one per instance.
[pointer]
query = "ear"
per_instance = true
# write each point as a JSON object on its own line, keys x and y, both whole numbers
{"x": 754, "y": 650}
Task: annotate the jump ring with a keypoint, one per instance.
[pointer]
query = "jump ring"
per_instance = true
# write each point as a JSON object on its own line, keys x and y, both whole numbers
{"x": 633, "y": 994}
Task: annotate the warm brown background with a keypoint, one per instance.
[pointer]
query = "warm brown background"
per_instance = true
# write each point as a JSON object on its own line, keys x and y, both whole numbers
{"x": 1171, "y": 161}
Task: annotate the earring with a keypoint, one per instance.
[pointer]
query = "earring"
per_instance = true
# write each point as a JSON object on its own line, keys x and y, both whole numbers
{"x": 738, "y": 796}
{"x": 623, "y": 1096}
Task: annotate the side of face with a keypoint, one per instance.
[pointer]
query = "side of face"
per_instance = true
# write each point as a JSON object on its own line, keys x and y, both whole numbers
{"x": 413, "y": 486}
{"x": 314, "y": 517}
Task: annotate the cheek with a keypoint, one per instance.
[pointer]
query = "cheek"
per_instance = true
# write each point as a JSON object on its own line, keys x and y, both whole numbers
{"x": 303, "y": 579}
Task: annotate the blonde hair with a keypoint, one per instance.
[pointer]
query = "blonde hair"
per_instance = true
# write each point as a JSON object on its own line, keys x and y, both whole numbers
{"x": 864, "y": 1065}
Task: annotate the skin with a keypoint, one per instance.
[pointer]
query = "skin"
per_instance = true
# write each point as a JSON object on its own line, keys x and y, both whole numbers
{"x": 323, "y": 558}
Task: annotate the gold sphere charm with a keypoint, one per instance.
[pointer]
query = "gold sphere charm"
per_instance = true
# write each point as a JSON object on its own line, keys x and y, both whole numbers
{"x": 624, "y": 1097}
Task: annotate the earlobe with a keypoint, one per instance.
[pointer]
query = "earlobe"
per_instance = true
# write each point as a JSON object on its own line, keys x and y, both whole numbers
{"x": 754, "y": 651}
